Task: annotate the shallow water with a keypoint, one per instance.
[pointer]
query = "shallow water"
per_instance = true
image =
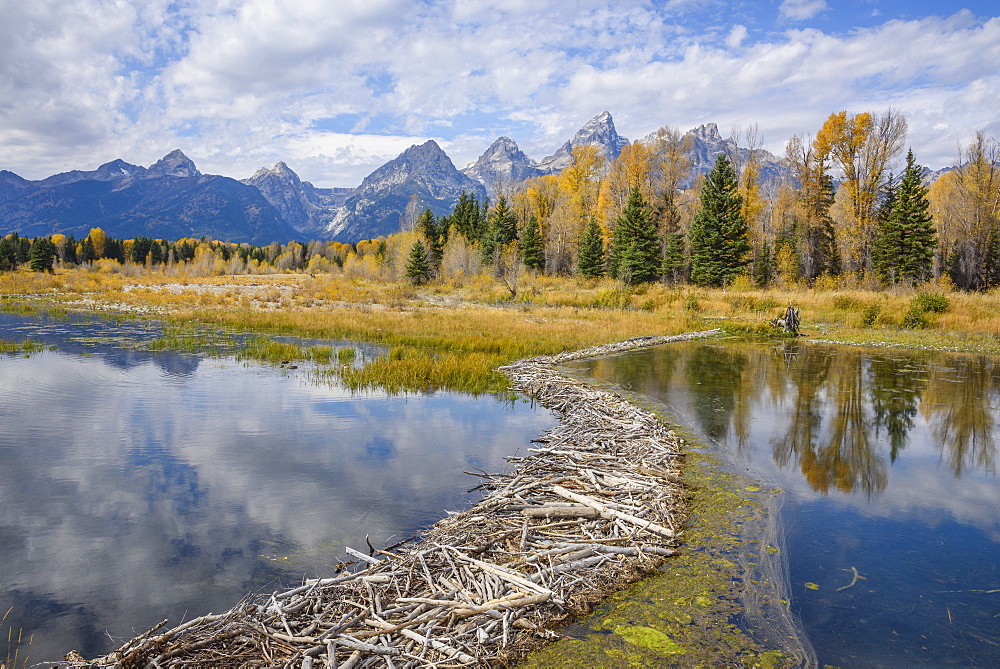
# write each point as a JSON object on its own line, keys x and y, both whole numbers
{"x": 888, "y": 463}
{"x": 138, "y": 486}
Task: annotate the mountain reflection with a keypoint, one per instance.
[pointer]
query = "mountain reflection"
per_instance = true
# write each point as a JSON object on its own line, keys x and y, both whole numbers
{"x": 840, "y": 415}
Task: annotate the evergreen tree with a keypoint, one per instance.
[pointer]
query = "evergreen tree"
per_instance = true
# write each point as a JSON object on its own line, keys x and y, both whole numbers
{"x": 468, "y": 218}
{"x": 436, "y": 232}
{"x": 42, "y": 255}
{"x": 8, "y": 253}
{"x": 674, "y": 265}
{"x": 590, "y": 262}
{"x": 904, "y": 247}
{"x": 718, "y": 235}
{"x": 635, "y": 254}
{"x": 418, "y": 269}
{"x": 501, "y": 230}
{"x": 763, "y": 265}
{"x": 532, "y": 249}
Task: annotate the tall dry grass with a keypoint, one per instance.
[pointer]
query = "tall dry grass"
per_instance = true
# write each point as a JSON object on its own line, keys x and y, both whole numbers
{"x": 452, "y": 333}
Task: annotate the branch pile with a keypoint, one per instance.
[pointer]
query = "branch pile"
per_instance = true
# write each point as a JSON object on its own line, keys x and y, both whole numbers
{"x": 595, "y": 505}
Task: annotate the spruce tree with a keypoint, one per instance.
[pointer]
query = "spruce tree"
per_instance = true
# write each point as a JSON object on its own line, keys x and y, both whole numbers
{"x": 418, "y": 269}
{"x": 436, "y": 232}
{"x": 635, "y": 246}
{"x": 42, "y": 255}
{"x": 720, "y": 249}
{"x": 532, "y": 249}
{"x": 501, "y": 230}
{"x": 674, "y": 263}
{"x": 590, "y": 262}
{"x": 468, "y": 218}
{"x": 904, "y": 247}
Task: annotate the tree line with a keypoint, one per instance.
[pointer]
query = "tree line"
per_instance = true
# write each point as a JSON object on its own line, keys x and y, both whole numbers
{"x": 850, "y": 210}
{"x": 840, "y": 211}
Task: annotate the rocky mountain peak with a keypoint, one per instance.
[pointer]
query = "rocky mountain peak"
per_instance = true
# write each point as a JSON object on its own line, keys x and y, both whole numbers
{"x": 708, "y": 132}
{"x": 503, "y": 163}
{"x": 117, "y": 169}
{"x": 280, "y": 173}
{"x": 174, "y": 164}
{"x": 423, "y": 175}
{"x": 426, "y": 163}
{"x": 599, "y": 131}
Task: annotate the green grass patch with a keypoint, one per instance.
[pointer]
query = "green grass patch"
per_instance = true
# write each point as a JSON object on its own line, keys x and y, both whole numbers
{"x": 26, "y": 347}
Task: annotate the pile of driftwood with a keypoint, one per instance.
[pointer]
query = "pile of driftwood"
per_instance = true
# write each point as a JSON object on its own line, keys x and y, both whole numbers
{"x": 596, "y": 504}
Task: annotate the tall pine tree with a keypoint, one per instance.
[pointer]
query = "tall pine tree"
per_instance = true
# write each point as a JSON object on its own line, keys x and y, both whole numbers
{"x": 720, "y": 249}
{"x": 905, "y": 242}
{"x": 590, "y": 262}
{"x": 635, "y": 246}
{"x": 418, "y": 269}
{"x": 501, "y": 230}
{"x": 532, "y": 248}
{"x": 674, "y": 266}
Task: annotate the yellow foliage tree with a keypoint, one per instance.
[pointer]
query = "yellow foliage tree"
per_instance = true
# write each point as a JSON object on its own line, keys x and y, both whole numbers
{"x": 862, "y": 147}
{"x": 97, "y": 240}
{"x": 965, "y": 204}
{"x": 633, "y": 167}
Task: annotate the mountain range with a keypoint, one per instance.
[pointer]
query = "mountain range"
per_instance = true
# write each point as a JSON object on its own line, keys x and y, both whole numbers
{"x": 173, "y": 199}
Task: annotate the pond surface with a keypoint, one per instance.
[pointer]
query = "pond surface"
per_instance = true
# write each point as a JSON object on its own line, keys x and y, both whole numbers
{"x": 138, "y": 486}
{"x": 888, "y": 463}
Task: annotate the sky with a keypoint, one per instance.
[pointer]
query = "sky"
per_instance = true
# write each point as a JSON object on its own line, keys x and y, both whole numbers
{"x": 335, "y": 89}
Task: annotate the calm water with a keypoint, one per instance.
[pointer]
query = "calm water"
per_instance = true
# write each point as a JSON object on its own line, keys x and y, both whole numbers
{"x": 888, "y": 461}
{"x": 136, "y": 486}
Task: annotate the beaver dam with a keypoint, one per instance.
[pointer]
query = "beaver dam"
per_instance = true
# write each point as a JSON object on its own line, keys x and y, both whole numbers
{"x": 595, "y": 504}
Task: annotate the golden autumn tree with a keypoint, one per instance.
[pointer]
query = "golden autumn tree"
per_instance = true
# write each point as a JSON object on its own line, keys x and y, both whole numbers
{"x": 98, "y": 241}
{"x": 812, "y": 232}
{"x": 631, "y": 169}
{"x": 862, "y": 147}
{"x": 965, "y": 204}
{"x": 578, "y": 187}
{"x": 670, "y": 160}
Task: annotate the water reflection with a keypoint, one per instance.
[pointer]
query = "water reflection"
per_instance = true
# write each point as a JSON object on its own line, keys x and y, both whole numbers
{"x": 888, "y": 464}
{"x": 130, "y": 493}
{"x": 845, "y": 414}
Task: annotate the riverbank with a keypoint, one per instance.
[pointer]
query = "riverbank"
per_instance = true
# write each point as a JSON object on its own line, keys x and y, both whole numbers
{"x": 597, "y": 505}
{"x": 454, "y": 336}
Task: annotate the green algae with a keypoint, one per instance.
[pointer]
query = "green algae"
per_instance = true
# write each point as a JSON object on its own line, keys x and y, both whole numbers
{"x": 683, "y": 614}
{"x": 649, "y": 638}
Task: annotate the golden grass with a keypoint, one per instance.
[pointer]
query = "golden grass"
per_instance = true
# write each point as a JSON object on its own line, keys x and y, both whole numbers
{"x": 453, "y": 335}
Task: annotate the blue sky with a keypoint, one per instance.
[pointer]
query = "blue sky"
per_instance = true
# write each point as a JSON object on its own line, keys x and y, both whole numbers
{"x": 335, "y": 89}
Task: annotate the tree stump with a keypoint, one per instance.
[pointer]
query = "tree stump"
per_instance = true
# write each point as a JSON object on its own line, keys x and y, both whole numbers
{"x": 789, "y": 321}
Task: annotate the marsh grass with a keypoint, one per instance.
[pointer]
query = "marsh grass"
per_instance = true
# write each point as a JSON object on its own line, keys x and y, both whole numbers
{"x": 26, "y": 347}
{"x": 15, "y": 644}
{"x": 444, "y": 335}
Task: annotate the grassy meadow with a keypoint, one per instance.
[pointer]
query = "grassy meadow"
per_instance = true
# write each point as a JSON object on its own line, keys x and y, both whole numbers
{"x": 455, "y": 335}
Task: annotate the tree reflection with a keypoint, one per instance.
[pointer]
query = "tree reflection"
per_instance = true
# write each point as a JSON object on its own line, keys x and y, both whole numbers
{"x": 895, "y": 389}
{"x": 843, "y": 456}
{"x": 958, "y": 405}
{"x": 842, "y": 415}
{"x": 713, "y": 374}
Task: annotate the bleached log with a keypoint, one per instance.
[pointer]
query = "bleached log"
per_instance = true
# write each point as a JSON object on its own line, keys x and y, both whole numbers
{"x": 612, "y": 514}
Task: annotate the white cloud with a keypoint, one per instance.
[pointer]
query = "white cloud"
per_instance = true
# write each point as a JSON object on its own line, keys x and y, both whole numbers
{"x": 801, "y": 10}
{"x": 736, "y": 36}
{"x": 239, "y": 85}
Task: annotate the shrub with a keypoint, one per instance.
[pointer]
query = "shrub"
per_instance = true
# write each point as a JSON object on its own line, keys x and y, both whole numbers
{"x": 933, "y": 303}
{"x": 915, "y": 318}
{"x": 613, "y": 298}
{"x": 845, "y": 303}
{"x": 870, "y": 314}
